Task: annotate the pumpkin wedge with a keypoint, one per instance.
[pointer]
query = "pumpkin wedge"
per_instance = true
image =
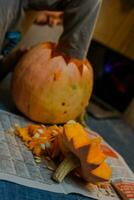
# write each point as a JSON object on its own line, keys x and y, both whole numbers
{"x": 95, "y": 155}
{"x": 103, "y": 171}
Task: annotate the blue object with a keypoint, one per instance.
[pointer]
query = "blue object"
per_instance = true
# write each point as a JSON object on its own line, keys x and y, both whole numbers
{"x": 11, "y": 40}
{"x": 12, "y": 191}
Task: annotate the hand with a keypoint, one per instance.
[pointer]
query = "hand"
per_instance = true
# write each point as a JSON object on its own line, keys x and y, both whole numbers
{"x": 50, "y": 18}
{"x": 8, "y": 64}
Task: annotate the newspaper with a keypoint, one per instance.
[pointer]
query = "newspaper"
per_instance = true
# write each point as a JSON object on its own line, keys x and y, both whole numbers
{"x": 17, "y": 165}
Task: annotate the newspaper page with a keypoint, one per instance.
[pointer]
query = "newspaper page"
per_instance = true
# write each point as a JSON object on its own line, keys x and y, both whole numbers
{"x": 17, "y": 165}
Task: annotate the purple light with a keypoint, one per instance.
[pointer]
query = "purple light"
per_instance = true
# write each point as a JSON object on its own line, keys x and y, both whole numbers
{"x": 107, "y": 68}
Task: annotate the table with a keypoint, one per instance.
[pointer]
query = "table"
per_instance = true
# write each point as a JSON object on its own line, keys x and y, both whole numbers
{"x": 115, "y": 131}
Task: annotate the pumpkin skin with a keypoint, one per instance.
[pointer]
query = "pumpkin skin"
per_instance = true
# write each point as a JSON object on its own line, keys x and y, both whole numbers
{"x": 49, "y": 89}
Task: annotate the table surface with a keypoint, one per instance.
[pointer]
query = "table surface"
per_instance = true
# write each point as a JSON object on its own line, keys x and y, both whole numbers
{"x": 115, "y": 131}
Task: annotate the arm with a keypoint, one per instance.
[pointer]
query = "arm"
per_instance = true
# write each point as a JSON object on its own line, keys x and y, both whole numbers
{"x": 79, "y": 21}
{"x": 51, "y": 18}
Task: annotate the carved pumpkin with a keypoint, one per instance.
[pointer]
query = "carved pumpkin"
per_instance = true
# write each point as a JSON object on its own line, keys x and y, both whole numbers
{"x": 84, "y": 153}
{"x": 49, "y": 88}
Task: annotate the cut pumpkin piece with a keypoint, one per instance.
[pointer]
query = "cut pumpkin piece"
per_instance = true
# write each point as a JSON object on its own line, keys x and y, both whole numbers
{"x": 23, "y": 133}
{"x": 70, "y": 130}
{"x": 103, "y": 171}
{"x": 32, "y": 128}
{"x": 75, "y": 137}
{"x": 37, "y": 150}
{"x": 73, "y": 129}
{"x": 80, "y": 141}
{"x": 95, "y": 154}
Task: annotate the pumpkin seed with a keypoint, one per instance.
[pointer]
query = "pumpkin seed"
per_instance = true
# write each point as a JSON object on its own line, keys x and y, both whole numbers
{"x": 36, "y": 135}
{"x": 16, "y": 125}
{"x": 11, "y": 130}
{"x": 48, "y": 145}
{"x": 43, "y": 146}
{"x": 37, "y": 159}
{"x": 43, "y": 126}
{"x": 51, "y": 166}
{"x": 55, "y": 133}
{"x": 40, "y": 131}
{"x": 47, "y": 158}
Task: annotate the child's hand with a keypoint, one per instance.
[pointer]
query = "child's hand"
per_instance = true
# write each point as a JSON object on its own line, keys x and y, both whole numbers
{"x": 50, "y": 18}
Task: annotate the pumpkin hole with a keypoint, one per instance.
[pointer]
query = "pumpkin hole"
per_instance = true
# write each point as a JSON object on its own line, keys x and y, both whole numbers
{"x": 63, "y": 104}
{"x": 65, "y": 112}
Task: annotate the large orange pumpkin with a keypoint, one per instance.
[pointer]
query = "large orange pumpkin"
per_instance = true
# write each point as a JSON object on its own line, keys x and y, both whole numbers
{"x": 49, "y": 88}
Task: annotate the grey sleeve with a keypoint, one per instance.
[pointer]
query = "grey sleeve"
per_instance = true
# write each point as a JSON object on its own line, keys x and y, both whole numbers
{"x": 4, "y": 21}
{"x": 79, "y": 21}
{"x": 42, "y": 4}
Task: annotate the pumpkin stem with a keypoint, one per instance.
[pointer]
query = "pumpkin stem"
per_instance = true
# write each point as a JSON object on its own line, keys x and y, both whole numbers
{"x": 67, "y": 165}
{"x": 81, "y": 119}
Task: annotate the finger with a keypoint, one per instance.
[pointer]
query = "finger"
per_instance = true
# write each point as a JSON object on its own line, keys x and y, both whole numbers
{"x": 41, "y": 19}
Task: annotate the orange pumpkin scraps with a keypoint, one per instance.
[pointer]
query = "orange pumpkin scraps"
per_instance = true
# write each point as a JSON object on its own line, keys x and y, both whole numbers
{"x": 40, "y": 139}
{"x": 37, "y": 151}
{"x": 23, "y": 134}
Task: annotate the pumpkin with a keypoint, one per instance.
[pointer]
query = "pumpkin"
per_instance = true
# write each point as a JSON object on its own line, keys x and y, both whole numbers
{"x": 50, "y": 88}
{"x": 84, "y": 153}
